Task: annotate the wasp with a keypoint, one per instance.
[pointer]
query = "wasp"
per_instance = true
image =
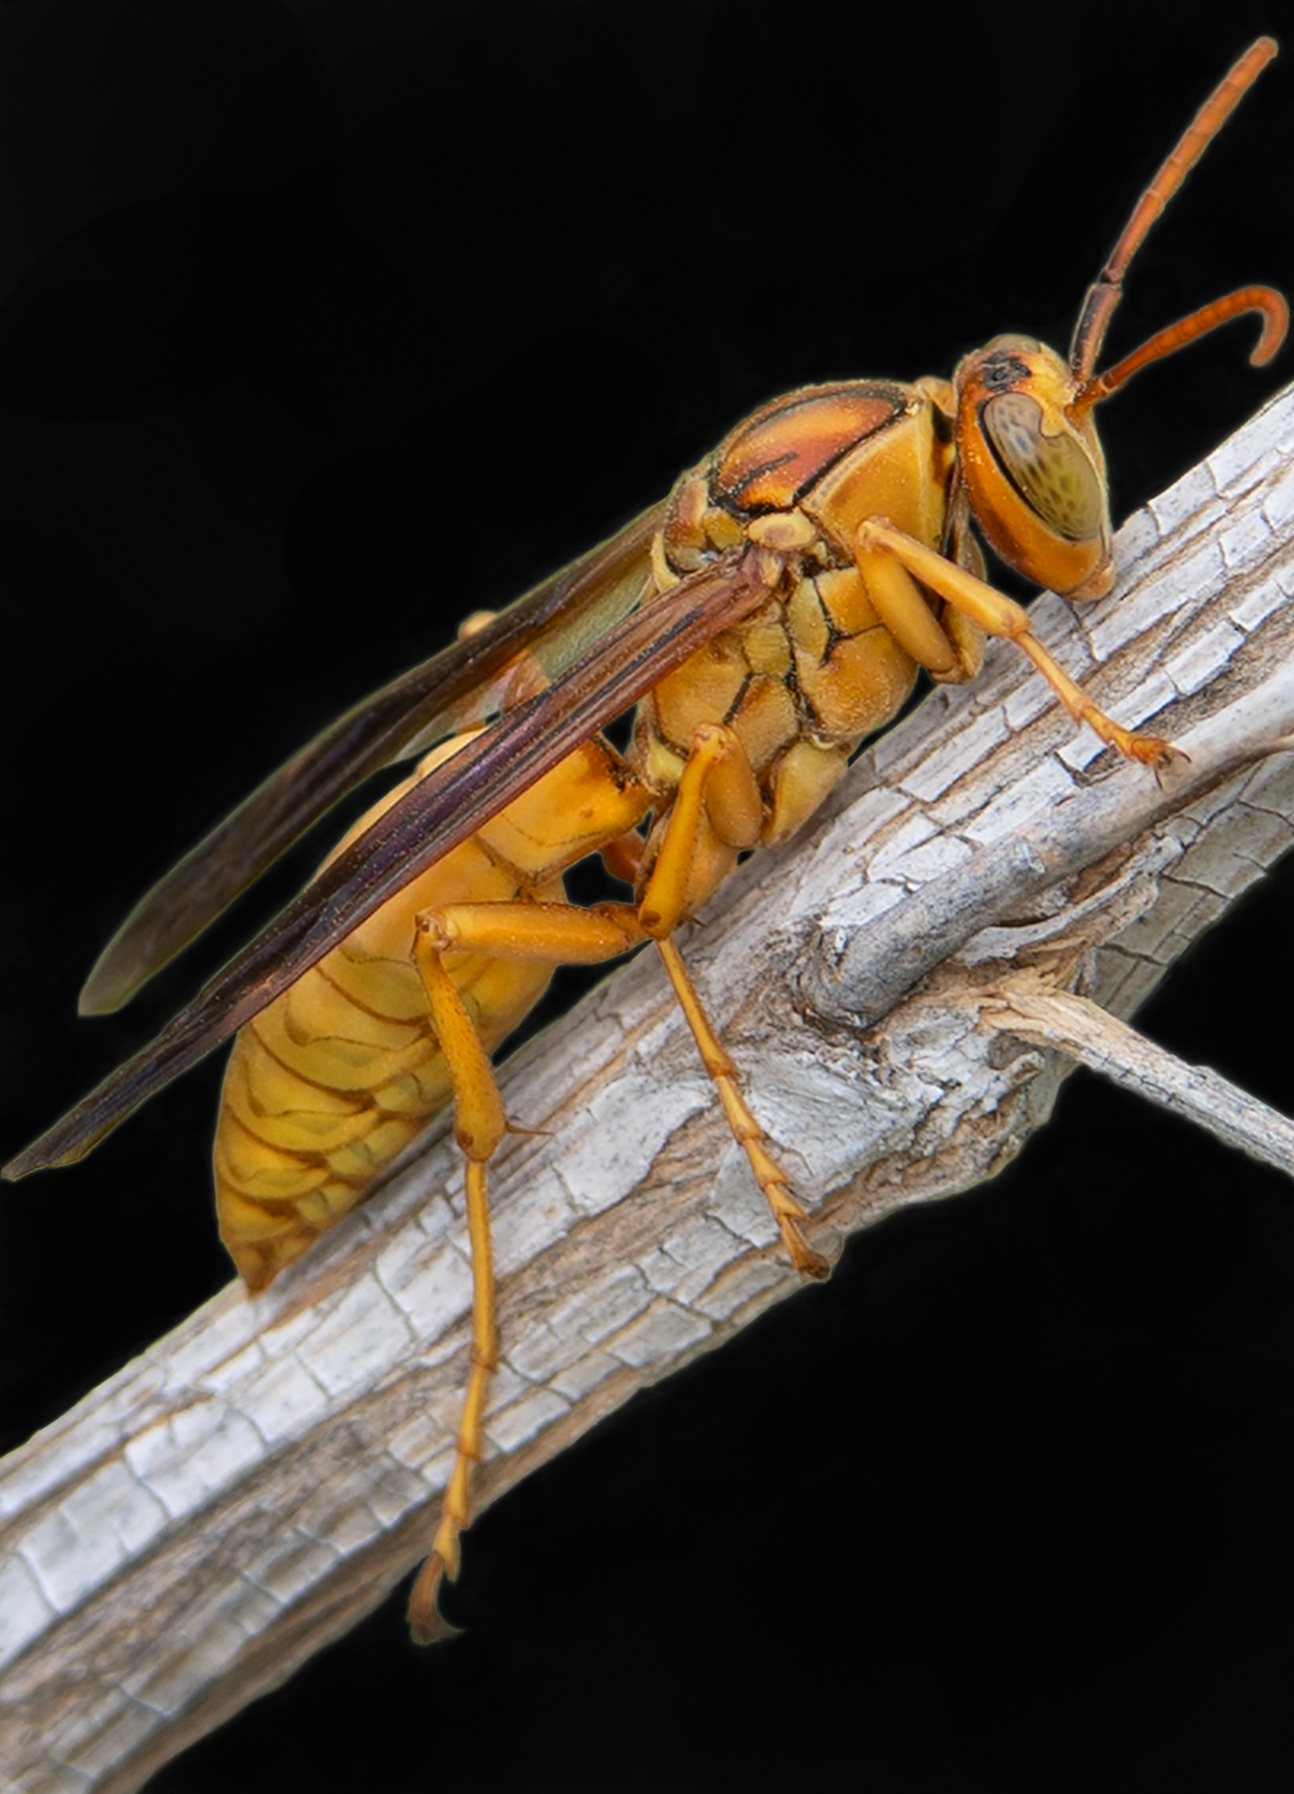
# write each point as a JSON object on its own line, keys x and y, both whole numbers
{"x": 762, "y": 620}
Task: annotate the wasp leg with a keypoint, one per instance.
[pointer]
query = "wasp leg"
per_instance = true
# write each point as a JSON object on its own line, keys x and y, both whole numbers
{"x": 718, "y": 790}
{"x": 950, "y": 648}
{"x": 747, "y": 1132}
{"x": 880, "y": 546}
{"x": 558, "y": 933}
{"x": 479, "y": 1125}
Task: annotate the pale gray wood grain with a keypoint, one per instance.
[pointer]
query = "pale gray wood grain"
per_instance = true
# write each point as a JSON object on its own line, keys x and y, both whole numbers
{"x": 258, "y": 1480}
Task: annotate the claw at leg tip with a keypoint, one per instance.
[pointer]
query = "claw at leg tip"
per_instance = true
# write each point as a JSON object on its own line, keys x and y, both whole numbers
{"x": 1168, "y": 760}
{"x": 426, "y": 1624}
{"x": 806, "y": 1258}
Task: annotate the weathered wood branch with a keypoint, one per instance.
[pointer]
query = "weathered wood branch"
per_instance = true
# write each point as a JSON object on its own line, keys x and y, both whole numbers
{"x": 1085, "y": 1032}
{"x": 255, "y": 1483}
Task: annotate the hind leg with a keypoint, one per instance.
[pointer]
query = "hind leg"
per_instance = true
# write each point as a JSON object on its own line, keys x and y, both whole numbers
{"x": 556, "y": 933}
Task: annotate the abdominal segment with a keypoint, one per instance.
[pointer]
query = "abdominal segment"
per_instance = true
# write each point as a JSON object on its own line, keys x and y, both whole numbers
{"x": 327, "y": 1086}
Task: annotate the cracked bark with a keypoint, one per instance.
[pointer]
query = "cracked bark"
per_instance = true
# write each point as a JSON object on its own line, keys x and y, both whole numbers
{"x": 253, "y": 1484}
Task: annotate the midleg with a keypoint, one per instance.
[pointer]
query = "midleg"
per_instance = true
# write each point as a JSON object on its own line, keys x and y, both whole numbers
{"x": 716, "y": 750}
{"x": 746, "y": 1130}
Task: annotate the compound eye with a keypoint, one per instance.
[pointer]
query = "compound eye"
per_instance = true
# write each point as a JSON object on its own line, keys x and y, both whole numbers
{"x": 1053, "y": 474}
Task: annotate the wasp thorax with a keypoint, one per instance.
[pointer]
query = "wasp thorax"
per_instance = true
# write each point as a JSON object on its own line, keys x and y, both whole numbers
{"x": 696, "y": 529}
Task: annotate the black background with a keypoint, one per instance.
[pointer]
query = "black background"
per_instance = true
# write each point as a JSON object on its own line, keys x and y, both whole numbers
{"x": 325, "y": 326}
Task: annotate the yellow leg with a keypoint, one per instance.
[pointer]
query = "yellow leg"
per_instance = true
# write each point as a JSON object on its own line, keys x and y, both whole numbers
{"x": 717, "y": 794}
{"x": 553, "y": 932}
{"x": 457, "y": 1511}
{"x": 480, "y": 1126}
{"x": 902, "y": 607}
{"x": 561, "y": 934}
{"x": 747, "y": 1132}
{"x": 717, "y": 756}
{"x": 1002, "y": 616}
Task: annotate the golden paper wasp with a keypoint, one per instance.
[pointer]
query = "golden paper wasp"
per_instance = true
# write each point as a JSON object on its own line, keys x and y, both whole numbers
{"x": 767, "y": 616}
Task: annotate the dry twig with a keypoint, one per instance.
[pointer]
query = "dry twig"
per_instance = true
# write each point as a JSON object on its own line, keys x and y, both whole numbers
{"x": 255, "y": 1483}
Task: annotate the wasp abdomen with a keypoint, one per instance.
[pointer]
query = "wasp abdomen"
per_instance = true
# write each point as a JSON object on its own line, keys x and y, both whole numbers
{"x": 329, "y": 1084}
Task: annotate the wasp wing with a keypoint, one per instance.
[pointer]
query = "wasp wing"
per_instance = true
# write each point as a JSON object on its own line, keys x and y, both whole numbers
{"x": 442, "y": 810}
{"x": 552, "y": 626}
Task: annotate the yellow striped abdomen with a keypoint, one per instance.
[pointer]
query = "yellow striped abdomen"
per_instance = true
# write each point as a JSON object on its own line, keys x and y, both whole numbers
{"x": 329, "y": 1084}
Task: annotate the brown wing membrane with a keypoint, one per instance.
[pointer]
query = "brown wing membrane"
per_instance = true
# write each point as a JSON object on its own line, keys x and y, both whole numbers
{"x": 445, "y": 808}
{"x": 554, "y": 624}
